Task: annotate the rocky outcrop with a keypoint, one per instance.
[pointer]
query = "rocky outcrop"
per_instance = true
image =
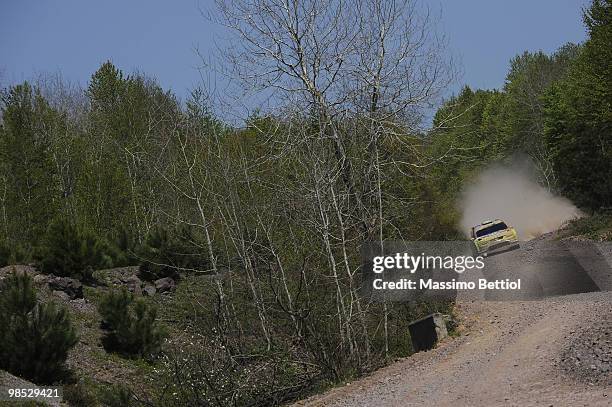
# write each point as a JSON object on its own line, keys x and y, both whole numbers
{"x": 134, "y": 285}
{"x": 149, "y": 290}
{"x": 19, "y": 269}
{"x": 72, "y": 287}
{"x": 61, "y": 295}
{"x": 164, "y": 285}
{"x": 42, "y": 278}
{"x": 138, "y": 287}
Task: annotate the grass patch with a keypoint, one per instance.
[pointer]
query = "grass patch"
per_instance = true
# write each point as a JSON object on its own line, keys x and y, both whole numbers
{"x": 597, "y": 227}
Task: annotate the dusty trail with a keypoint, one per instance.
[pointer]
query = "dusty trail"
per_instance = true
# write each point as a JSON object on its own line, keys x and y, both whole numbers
{"x": 550, "y": 352}
{"x": 511, "y": 357}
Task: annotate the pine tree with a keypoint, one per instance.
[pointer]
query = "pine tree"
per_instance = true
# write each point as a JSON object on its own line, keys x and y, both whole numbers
{"x": 165, "y": 252}
{"x": 132, "y": 325}
{"x": 68, "y": 250}
{"x": 35, "y": 338}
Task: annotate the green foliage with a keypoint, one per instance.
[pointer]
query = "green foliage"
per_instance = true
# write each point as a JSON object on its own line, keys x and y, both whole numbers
{"x": 579, "y": 117}
{"x": 213, "y": 378}
{"x": 129, "y": 120}
{"x": 530, "y": 76}
{"x": 122, "y": 249}
{"x": 597, "y": 226}
{"x": 80, "y": 395}
{"x": 5, "y": 254}
{"x": 469, "y": 132}
{"x": 14, "y": 253}
{"x": 68, "y": 250}
{"x": 87, "y": 393}
{"x": 117, "y": 396}
{"x": 132, "y": 327}
{"x": 165, "y": 252}
{"x": 477, "y": 128}
{"x": 35, "y": 337}
{"x": 26, "y": 163}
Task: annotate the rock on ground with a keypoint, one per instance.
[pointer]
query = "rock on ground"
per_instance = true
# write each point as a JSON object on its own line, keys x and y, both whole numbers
{"x": 72, "y": 287}
{"x": 165, "y": 284}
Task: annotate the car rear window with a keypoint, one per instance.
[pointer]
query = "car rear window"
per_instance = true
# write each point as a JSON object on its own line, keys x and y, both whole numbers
{"x": 491, "y": 229}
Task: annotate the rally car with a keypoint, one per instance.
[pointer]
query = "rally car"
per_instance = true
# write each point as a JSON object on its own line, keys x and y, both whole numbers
{"x": 492, "y": 235}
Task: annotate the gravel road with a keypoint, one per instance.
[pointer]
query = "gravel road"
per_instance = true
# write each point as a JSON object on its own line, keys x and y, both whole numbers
{"x": 555, "y": 351}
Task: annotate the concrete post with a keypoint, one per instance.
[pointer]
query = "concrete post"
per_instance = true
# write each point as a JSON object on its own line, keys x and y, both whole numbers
{"x": 427, "y": 331}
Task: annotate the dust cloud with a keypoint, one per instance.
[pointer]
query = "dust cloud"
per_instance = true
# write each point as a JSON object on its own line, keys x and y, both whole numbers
{"x": 510, "y": 193}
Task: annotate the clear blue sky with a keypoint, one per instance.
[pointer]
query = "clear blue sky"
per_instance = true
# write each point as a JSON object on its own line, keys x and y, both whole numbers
{"x": 159, "y": 37}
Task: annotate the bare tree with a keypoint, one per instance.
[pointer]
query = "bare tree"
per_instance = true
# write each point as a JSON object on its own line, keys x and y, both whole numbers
{"x": 338, "y": 56}
{"x": 360, "y": 72}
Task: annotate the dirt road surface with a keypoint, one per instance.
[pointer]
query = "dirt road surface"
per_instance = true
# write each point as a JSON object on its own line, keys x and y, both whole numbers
{"x": 555, "y": 351}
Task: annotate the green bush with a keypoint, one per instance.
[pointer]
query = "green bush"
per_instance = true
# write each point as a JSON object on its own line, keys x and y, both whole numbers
{"x": 35, "y": 337}
{"x": 117, "y": 396}
{"x": 80, "y": 394}
{"x": 86, "y": 394}
{"x": 14, "y": 254}
{"x": 132, "y": 329}
{"x": 5, "y": 254}
{"x": 70, "y": 251}
{"x": 123, "y": 249}
{"x": 165, "y": 252}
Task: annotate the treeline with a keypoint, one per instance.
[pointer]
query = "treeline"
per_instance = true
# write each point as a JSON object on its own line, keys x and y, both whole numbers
{"x": 555, "y": 109}
{"x": 275, "y": 212}
{"x": 132, "y": 177}
{"x": 272, "y": 215}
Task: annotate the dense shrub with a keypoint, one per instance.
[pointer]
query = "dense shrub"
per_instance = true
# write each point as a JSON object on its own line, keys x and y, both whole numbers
{"x": 123, "y": 249}
{"x": 209, "y": 376}
{"x": 80, "y": 394}
{"x": 14, "y": 254}
{"x": 117, "y": 396}
{"x": 86, "y": 393}
{"x": 165, "y": 252}
{"x": 5, "y": 254}
{"x": 131, "y": 325}
{"x": 35, "y": 338}
{"x": 68, "y": 250}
